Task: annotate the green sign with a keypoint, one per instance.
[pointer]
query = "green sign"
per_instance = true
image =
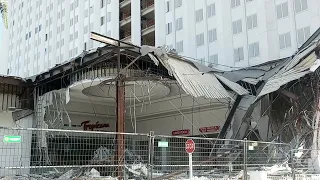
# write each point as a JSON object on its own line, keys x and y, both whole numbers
{"x": 12, "y": 139}
{"x": 163, "y": 144}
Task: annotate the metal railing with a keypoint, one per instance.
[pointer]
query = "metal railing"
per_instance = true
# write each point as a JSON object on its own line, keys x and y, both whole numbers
{"x": 147, "y": 4}
{"x": 69, "y": 154}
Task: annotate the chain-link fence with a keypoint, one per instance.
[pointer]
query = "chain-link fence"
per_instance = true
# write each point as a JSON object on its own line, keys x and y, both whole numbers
{"x": 66, "y": 154}
{"x": 69, "y": 154}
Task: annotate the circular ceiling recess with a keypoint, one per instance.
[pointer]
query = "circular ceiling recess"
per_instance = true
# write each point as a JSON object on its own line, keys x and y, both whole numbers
{"x": 139, "y": 90}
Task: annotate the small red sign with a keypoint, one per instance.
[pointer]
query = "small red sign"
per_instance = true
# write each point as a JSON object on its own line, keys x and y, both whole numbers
{"x": 181, "y": 132}
{"x": 210, "y": 129}
{"x": 190, "y": 146}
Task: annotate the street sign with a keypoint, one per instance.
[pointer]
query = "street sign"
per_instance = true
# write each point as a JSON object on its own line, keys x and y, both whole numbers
{"x": 190, "y": 146}
{"x": 163, "y": 144}
{"x": 12, "y": 139}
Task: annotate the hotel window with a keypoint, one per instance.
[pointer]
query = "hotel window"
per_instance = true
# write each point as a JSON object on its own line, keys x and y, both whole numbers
{"x": 212, "y": 35}
{"x": 282, "y": 10}
{"x": 178, "y": 3}
{"x": 86, "y": 29}
{"x": 303, "y": 34}
{"x": 211, "y": 10}
{"x": 199, "y": 15}
{"x": 102, "y": 3}
{"x": 200, "y": 39}
{"x": 285, "y": 40}
{"x": 109, "y": 17}
{"x": 237, "y": 26}
{"x": 76, "y": 19}
{"x": 102, "y": 20}
{"x": 300, "y": 5}
{"x": 86, "y": 13}
{"x": 252, "y": 21}
{"x": 169, "y": 28}
{"x": 91, "y": 10}
{"x": 167, "y": 6}
{"x": 179, "y": 24}
{"x": 235, "y": 3}
{"x": 179, "y": 46}
{"x": 238, "y": 54}
{"x": 254, "y": 50}
{"x": 213, "y": 59}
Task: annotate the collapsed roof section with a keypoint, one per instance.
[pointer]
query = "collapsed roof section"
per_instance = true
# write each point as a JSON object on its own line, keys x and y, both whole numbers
{"x": 196, "y": 79}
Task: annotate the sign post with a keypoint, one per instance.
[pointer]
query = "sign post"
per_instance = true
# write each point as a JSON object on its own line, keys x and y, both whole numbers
{"x": 190, "y": 147}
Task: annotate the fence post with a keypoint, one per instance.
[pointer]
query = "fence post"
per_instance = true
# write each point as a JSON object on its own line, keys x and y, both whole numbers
{"x": 292, "y": 165}
{"x": 150, "y": 154}
{"x": 245, "y": 158}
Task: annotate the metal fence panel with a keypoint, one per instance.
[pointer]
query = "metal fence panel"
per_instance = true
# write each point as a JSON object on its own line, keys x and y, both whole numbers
{"x": 306, "y": 161}
{"x": 68, "y": 154}
{"x": 211, "y": 158}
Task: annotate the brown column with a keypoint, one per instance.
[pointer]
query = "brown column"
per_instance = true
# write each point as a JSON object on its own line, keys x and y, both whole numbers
{"x": 120, "y": 127}
{"x": 120, "y": 98}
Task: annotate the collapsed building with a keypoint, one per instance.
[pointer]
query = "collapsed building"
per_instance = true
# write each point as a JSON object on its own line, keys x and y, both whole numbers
{"x": 123, "y": 88}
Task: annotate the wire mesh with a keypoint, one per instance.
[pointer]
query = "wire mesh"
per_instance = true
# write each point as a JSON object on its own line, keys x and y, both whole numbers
{"x": 262, "y": 155}
{"x": 306, "y": 162}
{"x": 212, "y": 157}
{"x": 68, "y": 154}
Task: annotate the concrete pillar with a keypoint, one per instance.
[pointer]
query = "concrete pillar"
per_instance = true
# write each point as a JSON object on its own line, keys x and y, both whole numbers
{"x": 160, "y": 23}
{"x": 136, "y": 22}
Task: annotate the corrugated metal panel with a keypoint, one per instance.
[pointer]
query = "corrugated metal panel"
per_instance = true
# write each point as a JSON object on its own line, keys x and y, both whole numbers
{"x": 274, "y": 84}
{"x": 297, "y": 58}
{"x": 234, "y": 86}
{"x": 250, "y": 80}
{"x": 278, "y": 80}
{"x": 193, "y": 82}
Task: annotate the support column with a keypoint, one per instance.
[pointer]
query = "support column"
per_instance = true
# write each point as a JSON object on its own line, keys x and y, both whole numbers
{"x": 120, "y": 128}
{"x": 120, "y": 98}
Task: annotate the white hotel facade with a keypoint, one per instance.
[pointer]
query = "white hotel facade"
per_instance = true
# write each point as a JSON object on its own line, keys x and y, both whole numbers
{"x": 226, "y": 33}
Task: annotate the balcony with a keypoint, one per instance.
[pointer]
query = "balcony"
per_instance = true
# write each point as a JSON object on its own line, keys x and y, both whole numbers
{"x": 125, "y": 36}
{"x": 125, "y": 18}
{"x": 124, "y": 3}
{"x": 148, "y": 27}
{"x": 148, "y": 42}
{"x": 147, "y": 7}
